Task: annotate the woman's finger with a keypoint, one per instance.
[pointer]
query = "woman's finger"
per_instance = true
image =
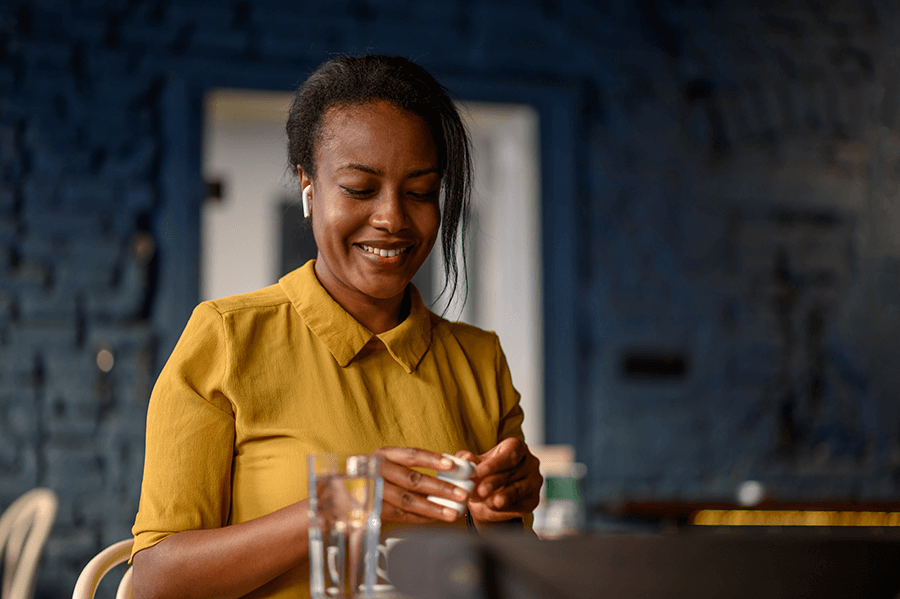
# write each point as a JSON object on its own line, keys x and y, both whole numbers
{"x": 414, "y": 457}
{"x": 504, "y": 456}
{"x": 406, "y": 491}
{"x": 403, "y": 505}
{"x": 489, "y": 484}
{"x": 467, "y": 455}
{"x": 392, "y": 513}
{"x": 515, "y": 501}
{"x": 529, "y": 467}
{"x": 506, "y": 491}
{"x": 482, "y": 512}
{"x": 526, "y": 477}
{"x": 421, "y": 484}
{"x": 521, "y": 495}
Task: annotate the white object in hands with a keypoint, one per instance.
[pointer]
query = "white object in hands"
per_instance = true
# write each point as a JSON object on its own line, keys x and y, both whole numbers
{"x": 463, "y": 470}
{"x": 459, "y": 476}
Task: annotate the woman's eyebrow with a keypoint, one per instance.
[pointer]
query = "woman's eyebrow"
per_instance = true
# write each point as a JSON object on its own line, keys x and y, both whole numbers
{"x": 426, "y": 171}
{"x": 363, "y": 168}
{"x": 380, "y": 173}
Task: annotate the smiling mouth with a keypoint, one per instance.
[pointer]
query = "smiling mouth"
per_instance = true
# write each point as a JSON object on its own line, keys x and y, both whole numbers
{"x": 383, "y": 252}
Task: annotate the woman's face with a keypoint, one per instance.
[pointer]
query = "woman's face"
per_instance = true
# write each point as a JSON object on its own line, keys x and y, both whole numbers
{"x": 374, "y": 201}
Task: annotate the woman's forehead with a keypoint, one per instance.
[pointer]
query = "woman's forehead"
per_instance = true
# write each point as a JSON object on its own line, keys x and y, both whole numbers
{"x": 339, "y": 116}
{"x": 378, "y": 127}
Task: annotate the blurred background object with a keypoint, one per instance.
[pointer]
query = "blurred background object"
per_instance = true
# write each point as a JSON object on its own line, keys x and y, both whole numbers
{"x": 102, "y": 564}
{"x": 24, "y": 528}
{"x": 562, "y": 510}
{"x": 715, "y": 292}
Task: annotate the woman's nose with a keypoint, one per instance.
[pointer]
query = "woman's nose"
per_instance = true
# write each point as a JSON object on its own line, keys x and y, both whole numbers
{"x": 390, "y": 212}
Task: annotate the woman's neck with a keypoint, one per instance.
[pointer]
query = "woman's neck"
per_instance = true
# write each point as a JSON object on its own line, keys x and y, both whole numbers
{"x": 377, "y": 315}
{"x": 380, "y": 315}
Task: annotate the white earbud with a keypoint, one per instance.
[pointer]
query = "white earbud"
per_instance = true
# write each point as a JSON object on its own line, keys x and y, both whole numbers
{"x": 305, "y": 196}
{"x": 461, "y": 477}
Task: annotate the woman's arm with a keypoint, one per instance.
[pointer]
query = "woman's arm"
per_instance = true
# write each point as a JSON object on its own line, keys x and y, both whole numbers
{"x": 224, "y": 562}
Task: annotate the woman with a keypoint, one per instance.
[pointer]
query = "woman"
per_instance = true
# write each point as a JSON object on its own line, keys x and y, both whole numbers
{"x": 341, "y": 355}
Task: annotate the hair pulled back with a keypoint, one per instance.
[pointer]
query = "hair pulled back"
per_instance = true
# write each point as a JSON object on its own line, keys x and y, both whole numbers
{"x": 354, "y": 80}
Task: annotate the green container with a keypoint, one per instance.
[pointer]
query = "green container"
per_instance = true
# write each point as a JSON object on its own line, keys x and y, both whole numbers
{"x": 563, "y": 488}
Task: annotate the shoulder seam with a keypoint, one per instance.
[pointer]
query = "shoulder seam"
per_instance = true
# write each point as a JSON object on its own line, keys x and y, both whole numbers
{"x": 230, "y": 310}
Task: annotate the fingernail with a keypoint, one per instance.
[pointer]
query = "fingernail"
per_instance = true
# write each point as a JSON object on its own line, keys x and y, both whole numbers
{"x": 448, "y": 513}
{"x": 460, "y": 494}
{"x": 485, "y": 489}
{"x": 447, "y": 463}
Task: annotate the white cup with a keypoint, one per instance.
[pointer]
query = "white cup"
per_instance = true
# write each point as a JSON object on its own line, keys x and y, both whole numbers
{"x": 383, "y": 551}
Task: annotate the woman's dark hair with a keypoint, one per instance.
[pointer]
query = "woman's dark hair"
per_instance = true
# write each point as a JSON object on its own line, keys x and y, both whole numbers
{"x": 353, "y": 80}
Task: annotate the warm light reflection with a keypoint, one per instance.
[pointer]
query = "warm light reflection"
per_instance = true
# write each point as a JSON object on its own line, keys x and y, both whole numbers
{"x": 793, "y": 518}
{"x": 105, "y": 360}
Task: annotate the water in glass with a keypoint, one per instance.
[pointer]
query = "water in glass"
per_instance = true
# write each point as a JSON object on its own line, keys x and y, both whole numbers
{"x": 345, "y": 525}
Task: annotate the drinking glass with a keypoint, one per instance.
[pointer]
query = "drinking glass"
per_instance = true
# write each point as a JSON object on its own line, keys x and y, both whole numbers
{"x": 344, "y": 525}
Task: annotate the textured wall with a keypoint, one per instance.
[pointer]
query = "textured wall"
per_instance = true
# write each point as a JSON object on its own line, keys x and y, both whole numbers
{"x": 743, "y": 217}
{"x": 738, "y": 265}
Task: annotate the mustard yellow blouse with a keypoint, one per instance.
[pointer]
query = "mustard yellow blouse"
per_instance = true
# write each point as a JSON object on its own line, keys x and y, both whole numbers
{"x": 258, "y": 381}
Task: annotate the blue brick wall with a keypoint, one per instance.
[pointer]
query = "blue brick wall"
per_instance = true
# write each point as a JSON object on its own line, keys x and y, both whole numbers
{"x": 735, "y": 203}
{"x": 748, "y": 221}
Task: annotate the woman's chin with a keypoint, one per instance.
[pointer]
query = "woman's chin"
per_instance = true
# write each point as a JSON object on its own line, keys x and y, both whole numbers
{"x": 385, "y": 292}
{"x": 384, "y": 283}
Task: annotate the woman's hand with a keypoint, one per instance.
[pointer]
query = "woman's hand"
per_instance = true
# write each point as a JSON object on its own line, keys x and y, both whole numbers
{"x": 406, "y": 490}
{"x": 508, "y": 482}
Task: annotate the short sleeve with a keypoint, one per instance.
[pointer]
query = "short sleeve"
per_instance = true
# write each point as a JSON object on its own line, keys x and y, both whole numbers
{"x": 190, "y": 437}
{"x": 511, "y": 412}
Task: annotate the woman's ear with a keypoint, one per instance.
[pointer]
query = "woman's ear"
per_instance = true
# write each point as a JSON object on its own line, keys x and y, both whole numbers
{"x": 304, "y": 178}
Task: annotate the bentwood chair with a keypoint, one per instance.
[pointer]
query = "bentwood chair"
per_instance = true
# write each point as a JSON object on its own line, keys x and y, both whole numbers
{"x": 24, "y": 528}
{"x": 96, "y": 569}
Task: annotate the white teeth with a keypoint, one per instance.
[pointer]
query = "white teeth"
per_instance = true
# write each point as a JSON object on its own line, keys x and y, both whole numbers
{"x": 383, "y": 252}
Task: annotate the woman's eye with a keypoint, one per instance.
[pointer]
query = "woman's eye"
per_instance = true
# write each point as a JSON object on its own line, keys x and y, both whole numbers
{"x": 429, "y": 195}
{"x": 356, "y": 193}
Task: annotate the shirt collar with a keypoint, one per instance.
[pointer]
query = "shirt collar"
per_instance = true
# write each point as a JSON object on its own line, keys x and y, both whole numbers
{"x": 342, "y": 334}
{"x": 408, "y": 341}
